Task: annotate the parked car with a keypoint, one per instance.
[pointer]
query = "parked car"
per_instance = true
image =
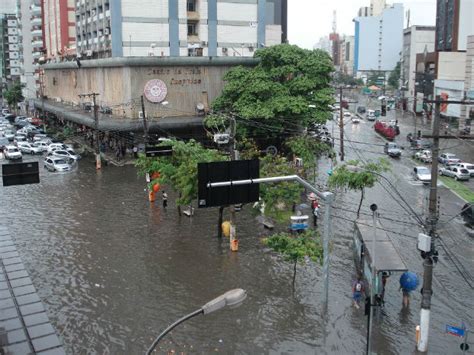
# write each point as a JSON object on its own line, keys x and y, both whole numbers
{"x": 9, "y": 134}
{"x": 347, "y": 114}
{"x": 65, "y": 153}
{"x": 43, "y": 146}
{"x": 422, "y": 173}
{"x": 19, "y": 138}
{"x": 468, "y": 166}
{"x": 355, "y": 119}
{"x": 57, "y": 164}
{"x": 424, "y": 155}
{"x": 392, "y": 150}
{"x": 3, "y": 143}
{"x": 5, "y": 111}
{"x": 55, "y": 146}
{"x": 29, "y": 148}
{"x": 39, "y": 137}
{"x": 361, "y": 109}
{"x": 12, "y": 153}
{"x": 467, "y": 214}
{"x": 455, "y": 172}
{"x": 448, "y": 158}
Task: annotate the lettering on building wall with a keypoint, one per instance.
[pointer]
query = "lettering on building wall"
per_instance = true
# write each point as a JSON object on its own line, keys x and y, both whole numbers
{"x": 184, "y": 82}
{"x": 175, "y": 71}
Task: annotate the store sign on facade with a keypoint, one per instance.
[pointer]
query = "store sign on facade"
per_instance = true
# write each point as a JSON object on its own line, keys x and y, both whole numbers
{"x": 155, "y": 90}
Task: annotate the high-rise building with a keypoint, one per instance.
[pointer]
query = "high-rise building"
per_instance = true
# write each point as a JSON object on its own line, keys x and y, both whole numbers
{"x": 347, "y": 55}
{"x": 453, "y": 24}
{"x": 10, "y": 61}
{"x": 416, "y": 39}
{"x": 116, "y": 28}
{"x": 377, "y": 7}
{"x": 7, "y": 7}
{"x": 59, "y": 29}
{"x": 378, "y": 40}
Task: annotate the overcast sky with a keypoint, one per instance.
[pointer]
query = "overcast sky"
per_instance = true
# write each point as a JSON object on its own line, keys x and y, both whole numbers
{"x": 308, "y": 20}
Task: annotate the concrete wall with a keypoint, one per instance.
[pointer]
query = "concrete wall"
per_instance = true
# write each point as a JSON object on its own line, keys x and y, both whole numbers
{"x": 451, "y": 90}
{"x": 451, "y": 66}
{"x": 121, "y": 85}
{"x": 466, "y": 23}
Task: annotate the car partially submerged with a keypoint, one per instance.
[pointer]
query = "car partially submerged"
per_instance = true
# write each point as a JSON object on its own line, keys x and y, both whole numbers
{"x": 422, "y": 173}
{"x": 392, "y": 150}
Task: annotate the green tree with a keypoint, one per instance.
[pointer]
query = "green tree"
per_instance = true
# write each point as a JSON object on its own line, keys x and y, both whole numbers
{"x": 278, "y": 198}
{"x": 306, "y": 245}
{"x": 274, "y": 97}
{"x": 358, "y": 180}
{"x": 180, "y": 169}
{"x": 13, "y": 95}
{"x": 394, "y": 78}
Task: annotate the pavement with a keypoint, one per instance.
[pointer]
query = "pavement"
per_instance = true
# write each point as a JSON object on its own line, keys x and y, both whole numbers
{"x": 24, "y": 323}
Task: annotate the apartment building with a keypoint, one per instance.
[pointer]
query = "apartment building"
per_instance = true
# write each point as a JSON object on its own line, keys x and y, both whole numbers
{"x": 60, "y": 28}
{"x": 117, "y": 28}
{"x": 378, "y": 40}
{"x": 10, "y": 61}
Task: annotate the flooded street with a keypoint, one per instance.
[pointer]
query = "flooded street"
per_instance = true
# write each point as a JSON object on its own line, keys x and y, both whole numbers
{"x": 114, "y": 270}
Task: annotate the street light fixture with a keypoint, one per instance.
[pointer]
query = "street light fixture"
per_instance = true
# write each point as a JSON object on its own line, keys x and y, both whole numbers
{"x": 231, "y": 299}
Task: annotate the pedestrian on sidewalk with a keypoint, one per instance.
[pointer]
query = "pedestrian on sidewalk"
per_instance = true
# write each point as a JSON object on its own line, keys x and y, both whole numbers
{"x": 165, "y": 198}
{"x": 357, "y": 291}
{"x": 315, "y": 209}
{"x": 135, "y": 151}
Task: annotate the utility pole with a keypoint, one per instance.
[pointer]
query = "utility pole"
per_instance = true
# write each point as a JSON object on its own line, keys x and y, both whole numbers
{"x": 373, "y": 208}
{"x": 145, "y": 123}
{"x": 341, "y": 125}
{"x": 98, "y": 163}
{"x": 432, "y": 222}
{"x": 234, "y": 242}
{"x": 41, "y": 75}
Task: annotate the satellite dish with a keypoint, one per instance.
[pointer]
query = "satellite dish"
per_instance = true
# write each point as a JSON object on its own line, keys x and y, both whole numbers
{"x": 200, "y": 106}
{"x": 271, "y": 150}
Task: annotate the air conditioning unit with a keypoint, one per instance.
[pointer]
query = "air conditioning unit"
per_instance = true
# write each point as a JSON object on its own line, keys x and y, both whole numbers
{"x": 140, "y": 114}
{"x": 89, "y": 53}
{"x": 224, "y": 50}
{"x": 106, "y": 31}
{"x": 204, "y": 43}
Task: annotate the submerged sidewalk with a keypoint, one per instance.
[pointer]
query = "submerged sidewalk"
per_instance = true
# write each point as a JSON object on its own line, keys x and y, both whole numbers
{"x": 24, "y": 324}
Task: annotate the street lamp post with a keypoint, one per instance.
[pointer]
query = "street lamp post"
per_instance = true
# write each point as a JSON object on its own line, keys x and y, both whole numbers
{"x": 232, "y": 298}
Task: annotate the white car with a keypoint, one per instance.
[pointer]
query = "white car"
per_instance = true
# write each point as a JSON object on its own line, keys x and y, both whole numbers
{"x": 40, "y": 137}
{"x": 355, "y": 119}
{"x": 468, "y": 166}
{"x": 12, "y": 153}
{"x": 57, "y": 164}
{"x": 455, "y": 172}
{"x": 65, "y": 153}
{"x": 29, "y": 148}
{"x": 347, "y": 114}
{"x": 19, "y": 138}
{"x": 9, "y": 134}
{"x": 55, "y": 146}
{"x": 422, "y": 173}
{"x": 41, "y": 145}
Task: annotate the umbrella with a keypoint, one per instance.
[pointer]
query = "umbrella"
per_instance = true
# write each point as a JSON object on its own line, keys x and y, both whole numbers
{"x": 374, "y": 88}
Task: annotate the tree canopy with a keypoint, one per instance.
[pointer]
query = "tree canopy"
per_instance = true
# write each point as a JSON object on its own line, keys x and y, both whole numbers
{"x": 13, "y": 95}
{"x": 180, "y": 169}
{"x": 363, "y": 176}
{"x": 394, "y": 78}
{"x": 286, "y": 91}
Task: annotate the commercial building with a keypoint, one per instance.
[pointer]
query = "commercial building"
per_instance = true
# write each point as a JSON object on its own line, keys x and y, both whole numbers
{"x": 60, "y": 29}
{"x": 453, "y": 24}
{"x": 416, "y": 40}
{"x": 378, "y": 41}
{"x": 116, "y": 28}
{"x": 467, "y": 112}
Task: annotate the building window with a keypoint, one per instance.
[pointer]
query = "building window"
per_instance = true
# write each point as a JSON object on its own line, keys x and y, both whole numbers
{"x": 191, "y": 5}
{"x": 192, "y": 30}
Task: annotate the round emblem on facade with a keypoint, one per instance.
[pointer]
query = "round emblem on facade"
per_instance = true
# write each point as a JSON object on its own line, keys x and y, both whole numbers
{"x": 155, "y": 90}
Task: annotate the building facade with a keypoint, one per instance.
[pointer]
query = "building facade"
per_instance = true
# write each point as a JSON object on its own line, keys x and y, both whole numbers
{"x": 453, "y": 24}
{"x": 60, "y": 29}
{"x": 116, "y": 28}
{"x": 378, "y": 41}
{"x": 467, "y": 112}
{"x": 416, "y": 39}
{"x": 10, "y": 60}
{"x": 347, "y": 55}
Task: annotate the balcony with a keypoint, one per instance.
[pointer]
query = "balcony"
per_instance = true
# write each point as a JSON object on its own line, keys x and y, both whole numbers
{"x": 37, "y": 44}
{"x": 36, "y": 33}
{"x": 193, "y": 16}
{"x": 35, "y": 11}
{"x": 36, "y": 55}
{"x": 36, "y": 21}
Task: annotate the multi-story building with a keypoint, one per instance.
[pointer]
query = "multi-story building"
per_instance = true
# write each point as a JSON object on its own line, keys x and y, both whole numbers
{"x": 467, "y": 112}
{"x": 10, "y": 61}
{"x": 453, "y": 24}
{"x": 60, "y": 29}
{"x": 324, "y": 44}
{"x": 378, "y": 40}
{"x": 376, "y": 7}
{"x": 116, "y": 28}
{"x": 347, "y": 55}
{"x": 416, "y": 39}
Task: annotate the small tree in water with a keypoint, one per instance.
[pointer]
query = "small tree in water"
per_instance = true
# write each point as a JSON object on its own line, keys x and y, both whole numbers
{"x": 306, "y": 245}
{"x": 358, "y": 180}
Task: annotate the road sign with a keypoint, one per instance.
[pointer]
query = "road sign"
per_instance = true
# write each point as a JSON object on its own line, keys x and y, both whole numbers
{"x": 158, "y": 151}
{"x": 456, "y": 331}
{"x": 20, "y": 173}
{"x": 227, "y": 171}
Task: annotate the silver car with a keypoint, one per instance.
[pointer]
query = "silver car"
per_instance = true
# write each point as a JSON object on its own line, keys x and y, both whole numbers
{"x": 57, "y": 164}
{"x": 455, "y": 172}
{"x": 422, "y": 173}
